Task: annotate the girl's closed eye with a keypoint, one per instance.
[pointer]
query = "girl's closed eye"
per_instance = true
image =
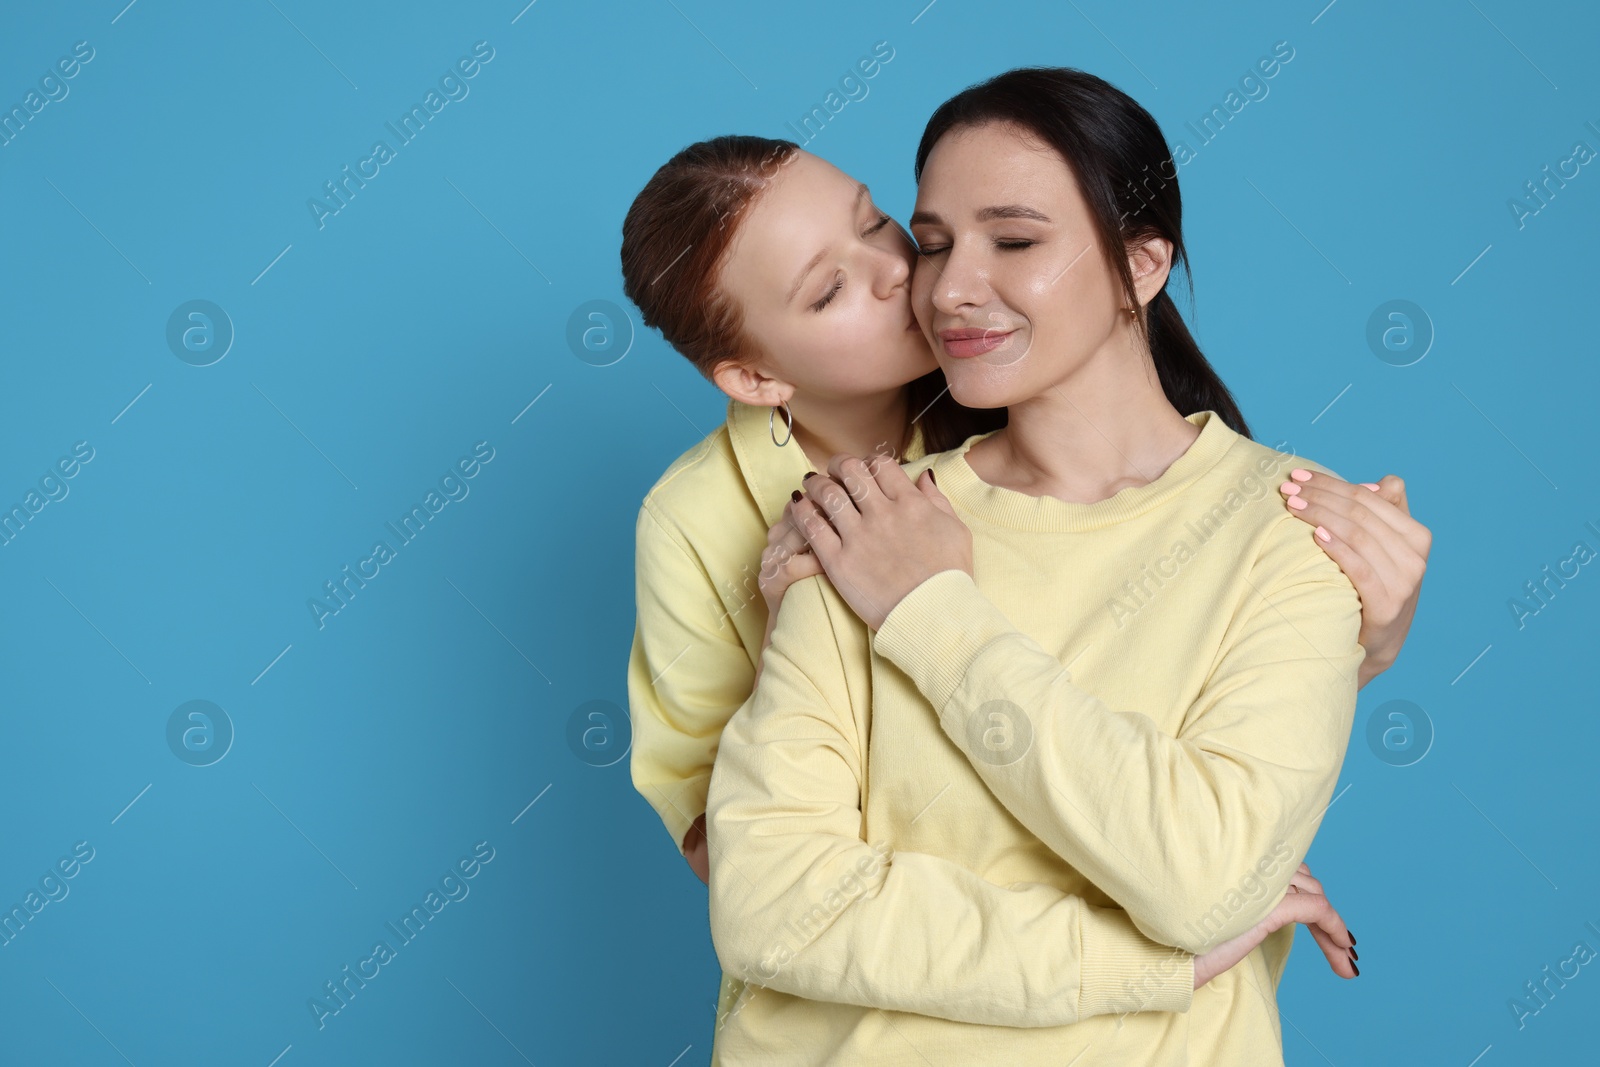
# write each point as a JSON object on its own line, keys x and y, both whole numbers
{"x": 827, "y": 298}
{"x": 831, "y": 293}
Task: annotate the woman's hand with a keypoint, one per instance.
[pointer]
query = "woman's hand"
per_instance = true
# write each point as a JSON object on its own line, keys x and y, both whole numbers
{"x": 1377, "y": 543}
{"x": 1303, "y": 902}
{"x": 878, "y": 534}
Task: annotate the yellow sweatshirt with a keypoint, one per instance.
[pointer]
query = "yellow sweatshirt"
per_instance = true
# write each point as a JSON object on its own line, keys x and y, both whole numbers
{"x": 1137, "y": 708}
{"x": 701, "y": 618}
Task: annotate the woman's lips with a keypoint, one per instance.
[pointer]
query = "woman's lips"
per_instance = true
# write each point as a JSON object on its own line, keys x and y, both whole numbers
{"x": 963, "y": 344}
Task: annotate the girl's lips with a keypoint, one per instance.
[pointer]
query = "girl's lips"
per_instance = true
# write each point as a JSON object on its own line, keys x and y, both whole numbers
{"x": 963, "y": 344}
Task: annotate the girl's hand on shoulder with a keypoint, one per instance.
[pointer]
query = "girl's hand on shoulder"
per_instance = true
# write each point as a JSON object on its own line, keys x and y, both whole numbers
{"x": 878, "y": 534}
{"x": 786, "y": 559}
{"x": 1368, "y": 530}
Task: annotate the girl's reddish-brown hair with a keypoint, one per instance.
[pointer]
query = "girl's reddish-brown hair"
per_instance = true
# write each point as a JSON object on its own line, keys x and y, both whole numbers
{"x": 674, "y": 240}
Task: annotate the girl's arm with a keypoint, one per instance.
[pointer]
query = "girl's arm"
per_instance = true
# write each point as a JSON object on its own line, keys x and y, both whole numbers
{"x": 1376, "y": 542}
{"x": 688, "y": 672}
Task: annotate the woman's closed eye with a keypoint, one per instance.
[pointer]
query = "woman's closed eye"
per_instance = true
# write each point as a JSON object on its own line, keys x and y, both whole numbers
{"x": 1007, "y": 244}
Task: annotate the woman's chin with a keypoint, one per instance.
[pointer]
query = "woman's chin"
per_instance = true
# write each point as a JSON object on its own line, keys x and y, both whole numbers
{"x": 971, "y": 387}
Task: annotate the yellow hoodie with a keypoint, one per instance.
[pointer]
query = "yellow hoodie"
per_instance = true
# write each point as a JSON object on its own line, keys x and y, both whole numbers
{"x": 701, "y": 618}
{"x": 1138, "y": 704}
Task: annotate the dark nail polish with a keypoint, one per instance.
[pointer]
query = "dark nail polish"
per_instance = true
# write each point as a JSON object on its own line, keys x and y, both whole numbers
{"x": 1357, "y": 970}
{"x": 1352, "y": 936}
{"x": 1354, "y": 954}
{"x": 795, "y": 496}
{"x": 932, "y": 477}
{"x": 808, "y": 475}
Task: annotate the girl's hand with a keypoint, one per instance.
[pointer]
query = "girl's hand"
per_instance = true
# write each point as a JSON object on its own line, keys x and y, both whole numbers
{"x": 1374, "y": 539}
{"x": 786, "y": 559}
{"x": 1303, "y": 902}
{"x": 695, "y": 850}
{"x": 878, "y": 534}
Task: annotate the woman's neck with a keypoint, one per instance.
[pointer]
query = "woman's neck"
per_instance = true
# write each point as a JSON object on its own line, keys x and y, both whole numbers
{"x": 1106, "y": 428}
{"x": 859, "y": 427}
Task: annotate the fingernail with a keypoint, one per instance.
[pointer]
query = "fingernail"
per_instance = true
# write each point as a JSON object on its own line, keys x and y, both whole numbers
{"x": 807, "y": 475}
{"x": 1357, "y": 970}
{"x": 1352, "y": 936}
{"x": 1322, "y": 532}
{"x": 1354, "y": 954}
{"x": 932, "y": 477}
{"x": 1298, "y": 503}
{"x": 1289, "y": 488}
{"x": 1300, "y": 474}
{"x": 1371, "y": 485}
{"x": 795, "y": 496}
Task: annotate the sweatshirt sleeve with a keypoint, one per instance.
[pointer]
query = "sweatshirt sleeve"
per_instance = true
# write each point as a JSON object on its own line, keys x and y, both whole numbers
{"x": 1173, "y": 828}
{"x": 687, "y": 674}
{"x": 802, "y": 904}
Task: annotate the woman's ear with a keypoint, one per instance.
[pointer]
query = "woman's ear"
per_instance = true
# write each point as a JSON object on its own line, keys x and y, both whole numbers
{"x": 1150, "y": 261}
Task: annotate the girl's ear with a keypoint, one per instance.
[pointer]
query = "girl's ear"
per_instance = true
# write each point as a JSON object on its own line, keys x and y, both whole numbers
{"x": 747, "y": 385}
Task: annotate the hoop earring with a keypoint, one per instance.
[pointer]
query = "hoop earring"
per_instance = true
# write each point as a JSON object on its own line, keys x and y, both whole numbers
{"x": 772, "y": 428}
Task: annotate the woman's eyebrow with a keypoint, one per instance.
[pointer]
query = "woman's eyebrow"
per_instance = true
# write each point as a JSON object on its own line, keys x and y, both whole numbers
{"x": 1002, "y": 211}
{"x": 1012, "y": 211}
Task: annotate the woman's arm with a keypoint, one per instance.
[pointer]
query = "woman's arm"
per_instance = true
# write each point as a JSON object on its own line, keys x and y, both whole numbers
{"x": 1376, "y": 542}
{"x": 801, "y": 904}
{"x": 1195, "y": 816}
{"x": 786, "y": 560}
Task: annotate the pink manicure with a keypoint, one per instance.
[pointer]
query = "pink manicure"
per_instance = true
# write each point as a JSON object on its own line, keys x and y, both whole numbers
{"x": 1288, "y": 488}
{"x": 1324, "y": 534}
{"x": 1298, "y": 503}
{"x": 1300, "y": 474}
{"x": 1371, "y": 485}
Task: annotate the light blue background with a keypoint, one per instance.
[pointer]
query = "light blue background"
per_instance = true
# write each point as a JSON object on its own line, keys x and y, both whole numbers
{"x": 431, "y": 312}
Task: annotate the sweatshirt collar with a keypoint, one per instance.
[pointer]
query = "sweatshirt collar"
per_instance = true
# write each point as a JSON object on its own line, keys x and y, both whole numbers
{"x": 772, "y": 471}
{"x": 1008, "y": 507}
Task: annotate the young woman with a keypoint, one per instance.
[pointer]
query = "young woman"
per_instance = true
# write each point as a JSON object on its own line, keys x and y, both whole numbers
{"x": 838, "y": 366}
{"x": 1162, "y": 724}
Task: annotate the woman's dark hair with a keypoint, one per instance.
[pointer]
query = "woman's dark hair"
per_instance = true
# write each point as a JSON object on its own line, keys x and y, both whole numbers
{"x": 1122, "y": 165}
{"x": 675, "y": 239}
